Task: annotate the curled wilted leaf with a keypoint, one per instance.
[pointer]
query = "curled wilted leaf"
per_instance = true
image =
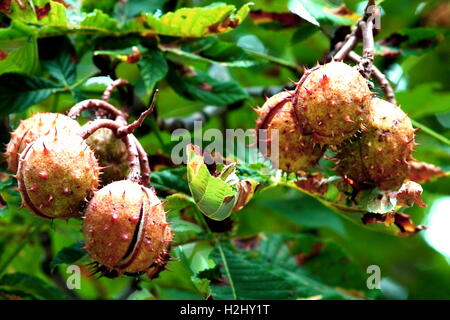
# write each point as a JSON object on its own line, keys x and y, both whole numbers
{"x": 216, "y": 194}
{"x": 410, "y": 193}
{"x": 313, "y": 183}
{"x": 378, "y": 201}
{"x": 401, "y": 220}
{"x": 419, "y": 171}
{"x": 246, "y": 189}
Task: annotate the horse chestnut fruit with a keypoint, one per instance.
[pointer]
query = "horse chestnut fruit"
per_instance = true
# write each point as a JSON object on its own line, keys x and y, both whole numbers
{"x": 126, "y": 230}
{"x": 332, "y": 103}
{"x": 56, "y": 174}
{"x": 380, "y": 157}
{"x": 297, "y": 152}
{"x": 31, "y": 129}
{"x": 111, "y": 153}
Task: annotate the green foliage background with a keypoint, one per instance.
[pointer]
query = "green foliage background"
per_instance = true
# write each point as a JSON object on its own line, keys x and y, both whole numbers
{"x": 304, "y": 249}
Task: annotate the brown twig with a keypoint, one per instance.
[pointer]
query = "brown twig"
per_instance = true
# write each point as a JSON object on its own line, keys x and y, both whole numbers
{"x": 348, "y": 45}
{"x": 124, "y": 130}
{"x": 89, "y": 128}
{"x": 110, "y": 88}
{"x": 379, "y": 77}
{"x": 94, "y": 104}
{"x": 366, "y": 62}
{"x": 121, "y": 123}
{"x": 142, "y": 154}
{"x": 342, "y": 49}
{"x": 136, "y": 154}
{"x": 120, "y": 117}
{"x": 143, "y": 159}
{"x": 133, "y": 160}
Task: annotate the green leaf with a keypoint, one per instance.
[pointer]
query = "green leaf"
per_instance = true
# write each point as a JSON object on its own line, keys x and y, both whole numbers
{"x": 316, "y": 257}
{"x": 99, "y": 22}
{"x": 419, "y": 34}
{"x": 230, "y": 55}
{"x": 184, "y": 231}
{"x": 176, "y": 202}
{"x": 18, "y": 283}
{"x": 200, "y": 86}
{"x": 96, "y": 84}
{"x": 22, "y": 12}
{"x": 270, "y": 6}
{"x": 424, "y": 100}
{"x": 190, "y": 258}
{"x": 7, "y": 183}
{"x": 69, "y": 255}
{"x": 320, "y": 12}
{"x": 213, "y": 196}
{"x": 303, "y": 32}
{"x": 19, "y": 55}
{"x": 190, "y": 22}
{"x": 107, "y": 6}
{"x": 223, "y": 53}
{"x": 307, "y": 212}
{"x": 276, "y": 270}
{"x": 170, "y": 180}
{"x": 18, "y": 92}
{"x": 153, "y": 67}
{"x": 62, "y": 66}
{"x": 142, "y": 294}
{"x": 55, "y": 19}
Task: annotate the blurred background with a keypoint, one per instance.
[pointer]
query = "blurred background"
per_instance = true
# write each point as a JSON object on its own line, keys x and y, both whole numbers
{"x": 413, "y": 49}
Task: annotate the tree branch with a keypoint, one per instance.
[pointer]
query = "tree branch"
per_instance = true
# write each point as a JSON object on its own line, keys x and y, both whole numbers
{"x": 124, "y": 130}
{"x": 142, "y": 154}
{"x": 110, "y": 88}
{"x": 121, "y": 128}
{"x": 94, "y": 104}
{"x": 379, "y": 77}
{"x": 342, "y": 49}
{"x": 367, "y": 26}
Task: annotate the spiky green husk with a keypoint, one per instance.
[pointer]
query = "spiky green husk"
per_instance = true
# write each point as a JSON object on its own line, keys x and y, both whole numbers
{"x": 111, "y": 153}
{"x": 297, "y": 153}
{"x": 380, "y": 157}
{"x": 56, "y": 174}
{"x": 31, "y": 129}
{"x": 126, "y": 230}
{"x": 332, "y": 103}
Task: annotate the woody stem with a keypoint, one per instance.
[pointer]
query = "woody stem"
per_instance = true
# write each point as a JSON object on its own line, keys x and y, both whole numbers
{"x": 379, "y": 77}
{"x": 94, "y": 104}
{"x": 113, "y": 85}
{"x": 343, "y": 48}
